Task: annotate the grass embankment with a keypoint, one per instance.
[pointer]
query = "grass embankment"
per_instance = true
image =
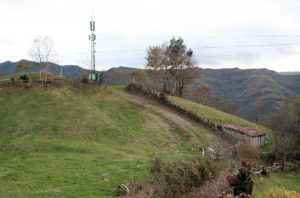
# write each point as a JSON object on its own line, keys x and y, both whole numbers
{"x": 71, "y": 142}
{"x": 218, "y": 117}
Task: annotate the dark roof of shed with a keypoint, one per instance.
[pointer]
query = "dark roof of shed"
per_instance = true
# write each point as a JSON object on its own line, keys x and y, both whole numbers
{"x": 244, "y": 130}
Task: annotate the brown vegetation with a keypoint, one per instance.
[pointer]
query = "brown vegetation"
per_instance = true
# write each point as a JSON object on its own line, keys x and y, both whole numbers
{"x": 241, "y": 182}
{"x": 180, "y": 177}
{"x": 282, "y": 193}
{"x": 247, "y": 153}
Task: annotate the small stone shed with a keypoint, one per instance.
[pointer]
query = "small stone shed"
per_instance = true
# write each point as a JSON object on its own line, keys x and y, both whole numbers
{"x": 251, "y": 136}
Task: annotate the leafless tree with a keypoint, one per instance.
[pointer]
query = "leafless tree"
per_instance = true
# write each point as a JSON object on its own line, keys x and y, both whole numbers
{"x": 36, "y": 52}
{"x": 42, "y": 50}
{"x": 48, "y": 48}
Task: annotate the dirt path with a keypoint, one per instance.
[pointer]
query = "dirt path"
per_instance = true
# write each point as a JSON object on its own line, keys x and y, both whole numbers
{"x": 181, "y": 122}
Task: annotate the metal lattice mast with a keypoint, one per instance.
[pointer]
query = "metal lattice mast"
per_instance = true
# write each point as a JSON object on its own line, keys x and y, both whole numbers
{"x": 92, "y": 38}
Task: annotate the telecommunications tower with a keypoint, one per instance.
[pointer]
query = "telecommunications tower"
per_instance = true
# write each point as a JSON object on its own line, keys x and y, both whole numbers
{"x": 92, "y": 38}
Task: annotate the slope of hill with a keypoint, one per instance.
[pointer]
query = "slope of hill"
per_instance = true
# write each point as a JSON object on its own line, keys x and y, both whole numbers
{"x": 72, "y": 142}
{"x": 218, "y": 117}
{"x": 83, "y": 142}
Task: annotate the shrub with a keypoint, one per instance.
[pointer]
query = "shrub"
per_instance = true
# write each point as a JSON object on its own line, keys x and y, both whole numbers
{"x": 121, "y": 190}
{"x": 247, "y": 152}
{"x": 282, "y": 193}
{"x": 212, "y": 189}
{"x": 133, "y": 87}
{"x": 162, "y": 97}
{"x": 180, "y": 177}
{"x": 85, "y": 79}
{"x": 24, "y": 77}
{"x": 242, "y": 182}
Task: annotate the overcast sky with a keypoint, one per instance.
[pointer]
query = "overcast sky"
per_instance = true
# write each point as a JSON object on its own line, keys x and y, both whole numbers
{"x": 222, "y": 33}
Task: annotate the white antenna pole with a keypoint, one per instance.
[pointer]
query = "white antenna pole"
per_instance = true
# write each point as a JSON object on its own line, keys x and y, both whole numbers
{"x": 92, "y": 38}
{"x": 61, "y": 68}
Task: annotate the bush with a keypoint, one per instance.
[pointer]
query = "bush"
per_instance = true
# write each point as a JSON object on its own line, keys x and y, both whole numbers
{"x": 212, "y": 189}
{"x": 247, "y": 152}
{"x": 24, "y": 77}
{"x": 178, "y": 178}
{"x": 85, "y": 79}
{"x": 282, "y": 193}
{"x": 133, "y": 87}
{"x": 121, "y": 190}
{"x": 162, "y": 97}
{"x": 242, "y": 182}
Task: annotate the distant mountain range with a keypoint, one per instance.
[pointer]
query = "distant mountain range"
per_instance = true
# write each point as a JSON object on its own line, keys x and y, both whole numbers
{"x": 251, "y": 93}
{"x": 290, "y": 73}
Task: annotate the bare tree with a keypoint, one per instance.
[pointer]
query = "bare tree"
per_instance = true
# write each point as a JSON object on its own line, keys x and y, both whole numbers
{"x": 48, "y": 48}
{"x": 41, "y": 50}
{"x": 36, "y": 52}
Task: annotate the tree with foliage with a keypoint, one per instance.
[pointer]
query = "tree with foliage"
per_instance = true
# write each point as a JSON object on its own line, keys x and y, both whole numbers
{"x": 286, "y": 127}
{"x": 138, "y": 76}
{"x": 181, "y": 61}
{"x": 202, "y": 94}
{"x": 175, "y": 63}
{"x": 156, "y": 63}
{"x": 24, "y": 66}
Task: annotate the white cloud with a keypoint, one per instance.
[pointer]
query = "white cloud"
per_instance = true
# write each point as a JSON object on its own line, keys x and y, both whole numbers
{"x": 121, "y": 25}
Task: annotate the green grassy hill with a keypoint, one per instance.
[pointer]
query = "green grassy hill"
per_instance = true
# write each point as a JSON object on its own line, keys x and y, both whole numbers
{"x": 72, "y": 142}
{"x": 83, "y": 142}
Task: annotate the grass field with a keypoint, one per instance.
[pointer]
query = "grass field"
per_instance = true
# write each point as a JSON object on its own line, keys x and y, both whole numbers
{"x": 71, "y": 142}
{"x": 83, "y": 142}
{"x": 288, "y": 181}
